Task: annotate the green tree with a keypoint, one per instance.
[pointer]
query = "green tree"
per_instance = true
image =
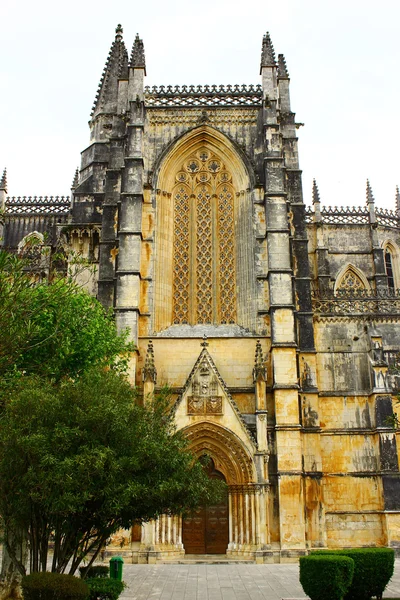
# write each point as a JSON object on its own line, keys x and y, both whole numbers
{"x": 81, "y": 460}
{"x": 53, "y": 328}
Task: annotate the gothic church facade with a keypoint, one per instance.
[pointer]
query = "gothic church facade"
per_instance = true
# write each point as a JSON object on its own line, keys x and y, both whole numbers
{"x": 276, "y": 325}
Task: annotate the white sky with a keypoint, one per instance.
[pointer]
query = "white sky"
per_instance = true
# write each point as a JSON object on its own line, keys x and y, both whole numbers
{"x": 343, "y": 58}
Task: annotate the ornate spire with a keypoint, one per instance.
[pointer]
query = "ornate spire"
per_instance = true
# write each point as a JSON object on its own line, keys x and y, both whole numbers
{"x": 259, "y": 366}
{"x": 315, "y": 193}
{"x": 149, "y": 369}
{"x": 75, "y": 181}
{"x": 267, "y": 52}
{"x": 116, "y": 67}
{"x": 397, "y": 200}
{"x": 282, "y": 68}
{"x": 3, "y": 181}
{"x": 370, "y": 196}
{"x": 137, "y": 56}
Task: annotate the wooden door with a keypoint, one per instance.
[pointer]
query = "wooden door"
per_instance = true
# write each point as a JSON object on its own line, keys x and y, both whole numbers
{"x": 206, "y": 530}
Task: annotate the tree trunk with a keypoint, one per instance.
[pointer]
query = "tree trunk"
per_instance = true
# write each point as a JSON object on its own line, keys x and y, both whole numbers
{"x": 15, "y": 557}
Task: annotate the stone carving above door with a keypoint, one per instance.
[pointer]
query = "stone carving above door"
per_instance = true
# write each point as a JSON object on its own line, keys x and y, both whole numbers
{"x": 204, "y": 398}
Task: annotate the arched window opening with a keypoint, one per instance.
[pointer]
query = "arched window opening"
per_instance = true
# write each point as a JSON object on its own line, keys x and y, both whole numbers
{"x": 389, "y": 269}
{"x": 204, "y": 269}
{"x": 349, "y": 282}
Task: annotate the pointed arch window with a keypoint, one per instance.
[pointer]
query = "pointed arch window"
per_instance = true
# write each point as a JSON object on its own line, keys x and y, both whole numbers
{"x": 351, "y": 280}
{"x": 389, "y": 267}
{"x": 204, "y": 269}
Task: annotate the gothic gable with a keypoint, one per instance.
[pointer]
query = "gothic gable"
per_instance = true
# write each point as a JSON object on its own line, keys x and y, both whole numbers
{"x": 205, "y": 398}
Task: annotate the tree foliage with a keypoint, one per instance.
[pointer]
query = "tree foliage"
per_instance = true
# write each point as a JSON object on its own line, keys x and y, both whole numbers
{"x": 52, "y": 328}
{"x": 81, "y": 460}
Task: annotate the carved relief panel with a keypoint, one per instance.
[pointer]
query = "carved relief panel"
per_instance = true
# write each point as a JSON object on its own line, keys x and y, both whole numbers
{"x": 204, "y": 398}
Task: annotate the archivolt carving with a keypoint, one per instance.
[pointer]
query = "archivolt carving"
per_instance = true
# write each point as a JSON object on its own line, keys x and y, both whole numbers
{"x": 225, "y": 449}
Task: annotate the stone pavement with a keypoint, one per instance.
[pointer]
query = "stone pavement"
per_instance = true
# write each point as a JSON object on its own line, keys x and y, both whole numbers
{"x": 221, "y": 582}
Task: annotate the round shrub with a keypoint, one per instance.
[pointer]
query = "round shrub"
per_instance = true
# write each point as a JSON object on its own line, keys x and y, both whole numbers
{"x": 53, "y": 586}
{"x": 373, "y": 569}
{"x": 101, "y": 588}
{"x": 94, "y": 571}
{"x": 326, "y": 576}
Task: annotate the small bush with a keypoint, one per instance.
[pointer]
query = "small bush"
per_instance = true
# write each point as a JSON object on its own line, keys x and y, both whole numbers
{"x": 326, "y": 576}
{"x": 101, "y": 588}
{"x": 373, "y": 569}
{"x": 53, "y": 586}
{"x": 94, "y": 571}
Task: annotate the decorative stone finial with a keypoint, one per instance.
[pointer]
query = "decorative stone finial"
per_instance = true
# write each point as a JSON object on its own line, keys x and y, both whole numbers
{"x": 282, "y": 68}
{"x": 118, "y": 33}
{"x": 138, "y": 60}
{"x": 149, "y": 369}
{"x": 204, "y": 343}
{"x": 267, "y": 52}
{"x": 75, "y": 181}
{"x": 315, "y": 193}
{"x": 397, "y": 201}
{"x": 259, "y": 366}
{"x": 370, "y": 195}
{"x": 3, "y": 181}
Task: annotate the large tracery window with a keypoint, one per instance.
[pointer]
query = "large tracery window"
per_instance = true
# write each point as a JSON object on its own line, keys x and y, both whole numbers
{"x": 204, "y": 268}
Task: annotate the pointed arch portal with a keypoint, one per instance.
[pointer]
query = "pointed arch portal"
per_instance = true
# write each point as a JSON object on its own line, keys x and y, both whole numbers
{"x": 213, "y": 529}
{"x": 206, "y": 530}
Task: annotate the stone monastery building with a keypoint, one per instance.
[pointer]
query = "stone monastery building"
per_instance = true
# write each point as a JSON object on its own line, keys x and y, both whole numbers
{"x": 276, "y": 325}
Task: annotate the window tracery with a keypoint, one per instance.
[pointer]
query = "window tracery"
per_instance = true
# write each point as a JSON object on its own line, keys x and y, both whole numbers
{"x": 351, "y": 281}
{"x": 204, "y": 270}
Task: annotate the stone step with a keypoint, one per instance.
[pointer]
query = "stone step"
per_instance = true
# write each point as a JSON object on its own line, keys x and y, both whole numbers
{"x": 205, "y": 559}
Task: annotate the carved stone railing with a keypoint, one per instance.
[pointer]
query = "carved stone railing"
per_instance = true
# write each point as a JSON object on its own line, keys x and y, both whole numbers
{"x": 352, "y": 215}
{"x": 35, "y": 205}
{"x": 206, "y": 96}
{"x": 309, "y": 214}
{"x": 354, "y": 303}
{"x": 387, "y": 217}
{"x": 392, "y": 358}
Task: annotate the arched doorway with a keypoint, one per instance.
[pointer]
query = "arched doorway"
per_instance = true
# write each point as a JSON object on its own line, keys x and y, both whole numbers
{"x": 206, "y": 530}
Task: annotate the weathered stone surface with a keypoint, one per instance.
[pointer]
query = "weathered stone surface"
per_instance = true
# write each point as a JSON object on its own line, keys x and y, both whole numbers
{"x": 189, "y": 202}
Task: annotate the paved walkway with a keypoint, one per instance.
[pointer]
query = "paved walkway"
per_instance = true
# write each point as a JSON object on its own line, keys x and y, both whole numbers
{"x": 221, "y": 582}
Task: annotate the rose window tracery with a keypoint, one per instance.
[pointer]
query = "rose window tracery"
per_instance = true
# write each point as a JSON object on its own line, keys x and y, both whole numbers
{"x": 204, "y": 269}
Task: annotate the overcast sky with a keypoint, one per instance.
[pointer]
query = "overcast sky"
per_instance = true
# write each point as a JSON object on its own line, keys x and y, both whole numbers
{"x": 343, "y": 59}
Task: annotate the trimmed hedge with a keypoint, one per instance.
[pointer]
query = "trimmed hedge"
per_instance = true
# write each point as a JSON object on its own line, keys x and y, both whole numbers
{"x": 326, "y": 576}
{"x": 373, "y": 569}
{"x": 101, "y": 588}
{"x": 53, "y": 586}
{"x": 94, "y": 571}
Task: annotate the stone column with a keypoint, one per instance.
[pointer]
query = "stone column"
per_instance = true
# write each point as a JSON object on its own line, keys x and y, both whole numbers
{"x": 128, "y": 275}
{"x": 283, "y": 330}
